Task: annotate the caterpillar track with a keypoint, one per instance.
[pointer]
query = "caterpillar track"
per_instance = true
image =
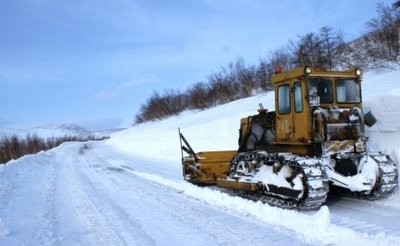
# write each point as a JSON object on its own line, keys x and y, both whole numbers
{"x": 389, "y": 176}
{"x": 310, "y": 193}
{"x": 387, "y": 181}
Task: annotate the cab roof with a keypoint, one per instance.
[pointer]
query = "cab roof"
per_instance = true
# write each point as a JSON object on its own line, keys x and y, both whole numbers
{"x": 314, "y": 72}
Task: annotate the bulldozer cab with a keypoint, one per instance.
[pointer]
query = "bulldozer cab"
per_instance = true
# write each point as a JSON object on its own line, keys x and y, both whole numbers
{"x": 300, "y": 96}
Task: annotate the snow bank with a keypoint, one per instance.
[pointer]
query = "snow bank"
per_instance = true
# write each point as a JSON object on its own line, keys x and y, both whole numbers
{"x": 25, "y": 189}
{"x": 314, "y": 227}
{"x": 213, "y": 129}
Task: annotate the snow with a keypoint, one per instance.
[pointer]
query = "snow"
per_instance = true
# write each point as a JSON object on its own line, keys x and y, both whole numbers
{"x": 128, "y": 190}
{"x": 47, "y": 131}
{"x": 278, "y": 179}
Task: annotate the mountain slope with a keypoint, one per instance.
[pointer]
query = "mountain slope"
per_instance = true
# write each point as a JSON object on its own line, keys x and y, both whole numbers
{"x": 47, "y": 131}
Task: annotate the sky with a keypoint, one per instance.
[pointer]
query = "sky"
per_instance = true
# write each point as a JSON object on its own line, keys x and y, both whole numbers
{"x": 95, "y": 62}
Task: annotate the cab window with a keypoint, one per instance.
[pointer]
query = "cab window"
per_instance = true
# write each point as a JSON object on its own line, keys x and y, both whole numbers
{"x": 321, "y": 87}
{"x": 284, "y": 99}
{"x": 298, "y": 102}
{"x": 348, "y": 91}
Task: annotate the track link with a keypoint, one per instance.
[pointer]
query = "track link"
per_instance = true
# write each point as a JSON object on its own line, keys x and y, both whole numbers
{"x": 314, "y": 179}
{"x": 388, "y": 180}
{"x": 386, "y": 183}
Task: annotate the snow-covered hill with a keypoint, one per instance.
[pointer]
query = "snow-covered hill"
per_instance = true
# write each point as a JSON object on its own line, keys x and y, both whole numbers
{"x": 47, "y": 131}
{"x": 217, "y": 128}
{"x": 128, "y": 190}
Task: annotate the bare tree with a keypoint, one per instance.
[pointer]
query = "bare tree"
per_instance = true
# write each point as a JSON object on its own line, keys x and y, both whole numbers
{"x": 283, "y": 58}
{"x": 383, "y": 37}
{"x": 197, "y": 96}
{"x": 320, "y": 50}
{"x": 308, "y": 50}
{"x": 330, "y": 47}
{"x": 14, "y": 147}
{"x": 245, "y": 79}
{"x": 263, "y": 73}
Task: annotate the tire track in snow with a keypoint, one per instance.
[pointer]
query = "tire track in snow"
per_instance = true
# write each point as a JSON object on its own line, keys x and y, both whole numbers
{"x": 103, "y": 221}
{"x": 261, "y": 233}
{"x": 93, "y": 227}
{"x": 150, "y": 193}
{"x": 363, "y": 226}
{"x": 47, "y": 230}
{"x": 124, "y": 225}
{"x": 364, "y": 216}
{"x": 207, "y": 225}
{"x": 317, "y": 227}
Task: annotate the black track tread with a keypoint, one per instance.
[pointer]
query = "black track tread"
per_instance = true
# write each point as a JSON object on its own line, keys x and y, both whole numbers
{"x": 387, "y": 182}
{"x": 315, "y": 180}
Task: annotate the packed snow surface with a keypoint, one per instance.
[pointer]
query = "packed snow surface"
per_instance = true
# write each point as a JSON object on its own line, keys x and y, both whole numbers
{"x": 128, "y": 190}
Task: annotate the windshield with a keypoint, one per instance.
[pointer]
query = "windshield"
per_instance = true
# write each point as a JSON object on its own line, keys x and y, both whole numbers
{"x": 348, "y": 91}
{"x": 321, "y": 87}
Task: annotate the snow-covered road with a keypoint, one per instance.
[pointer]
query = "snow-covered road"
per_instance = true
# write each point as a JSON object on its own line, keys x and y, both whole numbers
{"x": 85, "y": 196}
{"x": 93, "y": 194}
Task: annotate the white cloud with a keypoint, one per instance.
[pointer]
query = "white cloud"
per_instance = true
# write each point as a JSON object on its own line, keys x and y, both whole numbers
{"x": 118, "y": 91}
{"x": 145, "y": 79}
{"x": 106, "y": 95}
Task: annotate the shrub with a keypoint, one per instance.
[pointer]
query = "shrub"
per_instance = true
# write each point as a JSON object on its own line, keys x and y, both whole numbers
{"x": 13, "y": 147}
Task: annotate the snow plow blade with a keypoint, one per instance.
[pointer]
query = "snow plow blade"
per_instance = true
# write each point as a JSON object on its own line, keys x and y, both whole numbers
{"x": 211, "y": 165}
{"x": 258, "y": 188}
{"x": 204, "y": 168}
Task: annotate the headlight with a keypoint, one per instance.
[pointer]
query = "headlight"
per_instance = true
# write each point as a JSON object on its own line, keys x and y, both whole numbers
{"x": 358, "y": 72}
{"x": 307, "y": 70}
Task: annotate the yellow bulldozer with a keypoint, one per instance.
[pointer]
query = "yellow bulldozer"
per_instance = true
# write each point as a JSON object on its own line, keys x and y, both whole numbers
{"x": 314, "y": 140}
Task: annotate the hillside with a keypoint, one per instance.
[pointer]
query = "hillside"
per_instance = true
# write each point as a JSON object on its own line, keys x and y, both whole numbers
{"x": 47, "y": 131}
{"x": 217, "y": 128}
{"x": 128, "y": 190}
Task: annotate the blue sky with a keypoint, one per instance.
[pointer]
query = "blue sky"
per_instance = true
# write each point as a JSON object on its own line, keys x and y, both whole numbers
{"x": 94, "y": 62}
